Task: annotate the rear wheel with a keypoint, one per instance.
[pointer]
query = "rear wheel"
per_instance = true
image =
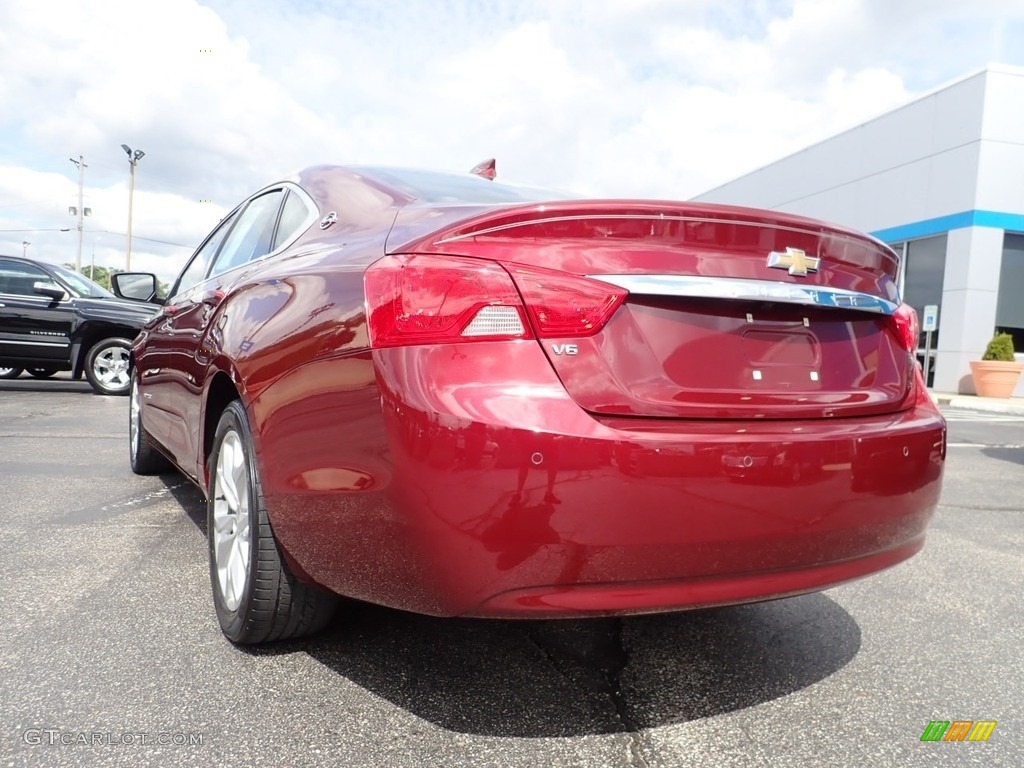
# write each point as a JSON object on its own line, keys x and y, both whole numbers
{"x": 256, "y": 598}
{"x": 143, "y": 457}
{"x": 106, "y": 366}
{"x": 10, "y": 373}
{"x": 42, "y": 373}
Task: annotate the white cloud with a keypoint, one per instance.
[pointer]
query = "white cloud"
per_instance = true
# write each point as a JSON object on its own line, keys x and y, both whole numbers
{"x": 656, "y": 98}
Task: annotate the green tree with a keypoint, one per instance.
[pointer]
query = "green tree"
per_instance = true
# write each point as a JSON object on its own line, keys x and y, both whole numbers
{"x": 99, "y": 275}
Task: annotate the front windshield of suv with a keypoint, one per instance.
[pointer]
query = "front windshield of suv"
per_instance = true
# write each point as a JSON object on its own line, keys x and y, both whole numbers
{"x": 81, "y": 284}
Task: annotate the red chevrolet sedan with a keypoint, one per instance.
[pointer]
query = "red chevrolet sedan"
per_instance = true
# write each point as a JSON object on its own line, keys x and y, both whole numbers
{"x": 448, "y": 395}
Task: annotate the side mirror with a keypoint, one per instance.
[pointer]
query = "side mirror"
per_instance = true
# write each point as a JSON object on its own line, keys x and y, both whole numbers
{"x": 135, "y": 286}
{"x": 51, "y": 290}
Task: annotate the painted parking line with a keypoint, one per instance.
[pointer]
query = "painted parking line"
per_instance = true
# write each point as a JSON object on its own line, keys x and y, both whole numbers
{"x": 986, "y": 445}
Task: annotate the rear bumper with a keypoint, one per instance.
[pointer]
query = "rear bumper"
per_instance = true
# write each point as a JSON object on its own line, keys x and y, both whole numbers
{"x": 573, "y": 600}
{"x": 449, "y": 487}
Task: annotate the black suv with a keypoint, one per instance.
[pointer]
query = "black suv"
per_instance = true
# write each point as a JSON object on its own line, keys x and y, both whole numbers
{"x": 55, "y": 319}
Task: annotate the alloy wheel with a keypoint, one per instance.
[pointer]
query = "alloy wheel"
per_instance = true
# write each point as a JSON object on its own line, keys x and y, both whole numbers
{"x": 110, "y": 367}
{"x": 231, "y": 520}
{"x": 133, "y": 421}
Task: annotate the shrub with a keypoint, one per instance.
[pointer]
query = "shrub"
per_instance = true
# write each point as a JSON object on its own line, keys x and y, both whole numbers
{"x": 1000, "y": 348}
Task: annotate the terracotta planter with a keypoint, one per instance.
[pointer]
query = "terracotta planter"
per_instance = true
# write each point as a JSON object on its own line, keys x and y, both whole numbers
{"x": 995, "y": 378}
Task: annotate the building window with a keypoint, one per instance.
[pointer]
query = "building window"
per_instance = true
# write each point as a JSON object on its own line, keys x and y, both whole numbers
{"x": 1010, "y": 304}
{"x": 921, "y": 273}
{"x": 923, "y": 269}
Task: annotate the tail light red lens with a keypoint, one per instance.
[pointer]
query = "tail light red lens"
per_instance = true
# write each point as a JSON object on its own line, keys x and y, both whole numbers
{"x": 438, "y": 299}
{"x": 906, "y": 327}
{"x": 435, "y": 299}
{"x": 565, "y": 306}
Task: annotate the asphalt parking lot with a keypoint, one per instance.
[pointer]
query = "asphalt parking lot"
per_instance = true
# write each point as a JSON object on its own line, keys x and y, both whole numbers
{"x": 110, "y": 653}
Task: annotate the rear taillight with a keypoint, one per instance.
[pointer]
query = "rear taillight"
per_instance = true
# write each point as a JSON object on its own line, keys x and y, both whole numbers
{"x": 564, "y": 306}
{"x": 435, "y": 299}
{"x": 905, "y": 327}
{"x": 438, "y": 299}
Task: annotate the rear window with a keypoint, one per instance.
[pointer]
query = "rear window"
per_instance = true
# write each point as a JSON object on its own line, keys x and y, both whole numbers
{"x": 439, "y": 187}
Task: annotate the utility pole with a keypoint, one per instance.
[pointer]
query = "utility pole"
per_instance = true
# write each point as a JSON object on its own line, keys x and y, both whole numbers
{"x": 80, "y": 162}
{"x": 133, "y": 159}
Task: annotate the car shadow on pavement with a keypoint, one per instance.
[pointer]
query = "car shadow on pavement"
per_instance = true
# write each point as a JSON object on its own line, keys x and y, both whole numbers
{"x": 45, "y": 385}
{"x": 189, "y": 496}
{"x": 595, "y": 676}
{"x": 1015, "y": 455}
{"x": 564, "y": 678}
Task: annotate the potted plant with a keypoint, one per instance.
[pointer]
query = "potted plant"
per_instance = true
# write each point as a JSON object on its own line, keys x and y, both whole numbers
{"x": 996, "y": 374}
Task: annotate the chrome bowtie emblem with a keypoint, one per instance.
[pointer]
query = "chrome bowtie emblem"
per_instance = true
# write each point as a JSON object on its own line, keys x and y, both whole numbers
{"x": 796, "y": 261}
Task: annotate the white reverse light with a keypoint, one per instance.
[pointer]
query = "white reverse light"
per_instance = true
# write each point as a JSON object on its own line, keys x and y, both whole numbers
{"x": 495, "y": 321}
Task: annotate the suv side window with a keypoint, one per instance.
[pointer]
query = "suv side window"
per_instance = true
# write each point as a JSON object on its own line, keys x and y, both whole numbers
{"x": 17, "y": 278}
{"x": 195, "y": 272}
{"x": 251, "y": 237}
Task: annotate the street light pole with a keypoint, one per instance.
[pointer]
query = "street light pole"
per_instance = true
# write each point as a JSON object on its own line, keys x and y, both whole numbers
{"x": 133, "y": 159}
{"x": 24, "y": 248}
{"x": 80, "y": 162}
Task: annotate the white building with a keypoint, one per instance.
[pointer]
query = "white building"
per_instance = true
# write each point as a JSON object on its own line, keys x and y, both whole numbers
{"x": 941, "y": 179}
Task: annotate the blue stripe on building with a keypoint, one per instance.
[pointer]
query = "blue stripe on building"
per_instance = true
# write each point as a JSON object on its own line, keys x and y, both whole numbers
{"x": 1013, "y": 222}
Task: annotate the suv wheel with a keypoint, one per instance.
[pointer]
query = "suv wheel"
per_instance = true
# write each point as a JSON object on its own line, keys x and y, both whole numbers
{"x": 10, "y": 373}
{"x": 106, "y": 366}
{"x": 42, "y": 373}
{"x": 256, "y": 597}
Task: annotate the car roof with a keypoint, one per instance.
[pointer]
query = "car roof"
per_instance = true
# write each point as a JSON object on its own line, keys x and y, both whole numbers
{"x": 409, "y": 186}
{"x": 27, "y": 260}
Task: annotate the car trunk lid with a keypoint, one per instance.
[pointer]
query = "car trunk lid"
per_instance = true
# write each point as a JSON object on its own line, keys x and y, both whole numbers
{"x": 730, "y": 312}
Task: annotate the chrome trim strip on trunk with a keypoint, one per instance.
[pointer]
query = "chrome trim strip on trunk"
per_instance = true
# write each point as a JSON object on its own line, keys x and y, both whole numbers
{"x": 749, "y": 290}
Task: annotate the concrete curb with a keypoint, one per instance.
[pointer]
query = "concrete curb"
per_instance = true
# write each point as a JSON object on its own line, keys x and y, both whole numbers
{"x": 1013, "y": 406}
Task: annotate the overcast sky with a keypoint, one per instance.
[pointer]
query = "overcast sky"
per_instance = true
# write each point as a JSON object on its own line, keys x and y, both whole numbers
{"x": 611, "y": 98}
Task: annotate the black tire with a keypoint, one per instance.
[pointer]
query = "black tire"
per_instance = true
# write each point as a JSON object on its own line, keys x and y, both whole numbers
{"x": 266, "y": 603}
{"x": 142, "y": 456}
{"x": 10, "y": 373}
{"x": 106, "y": 366}
{"x": 41, "y": 373}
